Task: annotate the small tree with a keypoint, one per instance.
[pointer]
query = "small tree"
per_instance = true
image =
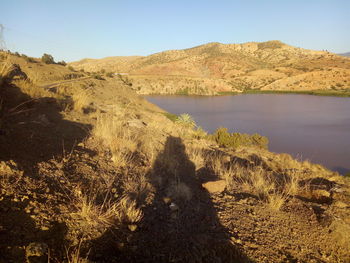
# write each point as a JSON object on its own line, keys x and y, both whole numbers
{"x": 48, "y": 59}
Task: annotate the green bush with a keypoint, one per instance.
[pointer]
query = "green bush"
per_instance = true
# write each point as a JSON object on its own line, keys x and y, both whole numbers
{"x": 48, "y": 59}
{"x": 71, "y": 68}
{"x": 233, "y": 140}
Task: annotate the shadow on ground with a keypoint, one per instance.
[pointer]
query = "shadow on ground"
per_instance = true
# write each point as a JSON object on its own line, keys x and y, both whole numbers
{"x": 33, "y": 130}
{"x": 18, "y": 229}
{"x": 181, "y": 224}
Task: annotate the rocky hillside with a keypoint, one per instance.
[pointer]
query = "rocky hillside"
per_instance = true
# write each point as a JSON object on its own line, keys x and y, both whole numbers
{"x": 217, "y": 67}
{"x": 91, "y": 172}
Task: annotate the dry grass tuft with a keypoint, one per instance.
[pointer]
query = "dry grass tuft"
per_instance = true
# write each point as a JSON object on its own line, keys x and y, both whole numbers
{"x": 5, "y": 67}
{"x": 73, "y": 254}
{"x": 31, "y": 89}
{"x": 82, "y": 99}
{"x": 276, "y": 200}
{"x": 111, "y": 130}
{"x": 10, "y": 175}
{"x": 217, "y": 165}
{"x": 91, "y": 213}
{"x": 137, "y": 187}
{"x": 292, "y": 186}
{"x": 128, "y": 211}
{"x": 109, "y": 213}
{"x": 196, "y": 155}
{"x": 262, "y": 183}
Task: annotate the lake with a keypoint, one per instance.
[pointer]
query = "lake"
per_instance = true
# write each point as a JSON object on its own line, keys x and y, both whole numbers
{"x": 308, "y": 127}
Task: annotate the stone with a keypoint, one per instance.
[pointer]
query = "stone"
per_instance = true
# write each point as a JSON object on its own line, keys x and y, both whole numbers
{"x": 215, "y": 186}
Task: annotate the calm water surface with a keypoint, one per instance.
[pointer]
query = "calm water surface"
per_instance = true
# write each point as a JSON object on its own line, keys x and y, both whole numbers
{"x": 308, "y": 127}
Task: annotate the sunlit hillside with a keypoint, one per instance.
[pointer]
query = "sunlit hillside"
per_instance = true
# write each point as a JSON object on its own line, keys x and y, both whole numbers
{"x": 216, "y": 67}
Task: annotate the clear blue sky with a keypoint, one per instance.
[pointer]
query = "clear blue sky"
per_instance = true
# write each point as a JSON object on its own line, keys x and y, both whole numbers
{"x": 72, "y": 30}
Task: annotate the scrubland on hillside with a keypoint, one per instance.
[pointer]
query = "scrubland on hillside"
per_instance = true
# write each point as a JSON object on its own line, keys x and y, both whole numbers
{"x": 92, "y": 172}
{"x": 232, "y": 68}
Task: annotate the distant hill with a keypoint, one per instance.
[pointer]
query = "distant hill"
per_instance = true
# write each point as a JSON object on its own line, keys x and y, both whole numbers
{"x": 347, "y": 54}
{"x": 216, "y": 67}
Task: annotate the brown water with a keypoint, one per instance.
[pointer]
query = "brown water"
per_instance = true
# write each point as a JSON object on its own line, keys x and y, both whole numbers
{"x": 309, "y": 127}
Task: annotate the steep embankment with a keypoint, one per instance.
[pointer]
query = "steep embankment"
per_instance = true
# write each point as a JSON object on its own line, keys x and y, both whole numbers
{"x": 91, "y": 172}
{"x": 217, "y": 67}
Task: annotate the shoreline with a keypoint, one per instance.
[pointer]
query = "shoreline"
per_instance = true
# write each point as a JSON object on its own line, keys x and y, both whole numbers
{"x": 342, "y": 94}
{"x": 325, "y": 93}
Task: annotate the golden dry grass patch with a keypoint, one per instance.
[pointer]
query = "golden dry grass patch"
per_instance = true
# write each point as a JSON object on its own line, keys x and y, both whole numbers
{"x": 197, "y": 156}
{"x": 111, "y": 130}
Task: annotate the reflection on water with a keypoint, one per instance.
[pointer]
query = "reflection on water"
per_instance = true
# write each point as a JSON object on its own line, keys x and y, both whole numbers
{"x": 308, "y": 127}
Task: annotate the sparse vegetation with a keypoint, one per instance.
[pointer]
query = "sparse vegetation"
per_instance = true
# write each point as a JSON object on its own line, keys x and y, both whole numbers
{"x": 28, "y": 59}
{"x": 270, "y": 44}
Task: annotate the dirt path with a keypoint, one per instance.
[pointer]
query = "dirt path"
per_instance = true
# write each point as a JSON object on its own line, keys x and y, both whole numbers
{"x": 47, "y": 86}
